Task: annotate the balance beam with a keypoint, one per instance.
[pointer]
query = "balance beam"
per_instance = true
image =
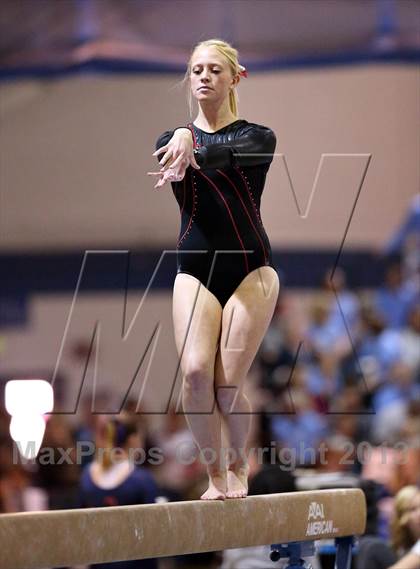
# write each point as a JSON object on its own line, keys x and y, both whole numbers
{"x": 40, "y": 540}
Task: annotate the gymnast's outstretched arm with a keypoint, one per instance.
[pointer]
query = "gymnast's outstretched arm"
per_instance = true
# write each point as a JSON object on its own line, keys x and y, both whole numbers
{"x": 254, "y": 145}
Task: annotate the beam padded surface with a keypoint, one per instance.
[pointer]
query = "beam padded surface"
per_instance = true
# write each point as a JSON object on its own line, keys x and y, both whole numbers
{"x": 40, "y": 540}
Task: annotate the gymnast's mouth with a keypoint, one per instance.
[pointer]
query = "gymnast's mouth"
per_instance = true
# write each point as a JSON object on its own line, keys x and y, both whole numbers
{"x": 204, "y": 87}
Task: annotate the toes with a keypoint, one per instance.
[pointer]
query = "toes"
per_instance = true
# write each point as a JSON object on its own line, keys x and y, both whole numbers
{"x": 208, "y": 498}
{"x": 212, "y": 497}
{"x": 236, "y": 494}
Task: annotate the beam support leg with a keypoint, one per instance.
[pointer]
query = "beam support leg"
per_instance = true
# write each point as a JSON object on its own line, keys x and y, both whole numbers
{"x": 294, "y": 552}
{"x": 344, "y": 550}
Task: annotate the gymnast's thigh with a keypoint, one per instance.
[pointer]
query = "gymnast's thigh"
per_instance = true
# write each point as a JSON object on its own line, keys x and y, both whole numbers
{"x": 246, "y": 317}
{"x": 197, "y": 316}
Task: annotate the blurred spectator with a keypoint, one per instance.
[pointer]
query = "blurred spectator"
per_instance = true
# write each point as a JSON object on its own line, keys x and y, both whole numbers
{"x": 344, "y": 308}
{"x": 143, "y": 418}
{"x": 409, "y": 467}
{"x": 321, "y": 378}
{"x": 18, "y": 491}
{"x": 410, "y": 226}
{"x": 349, "y": 403}
{"x": 411, "y": 560}
{"x": 349, "y": 427}
{"x": 275, "y": 351}
{"x": 405, "y": 527}
{"x": 406, "y": 242}
{"x": 391, "y": 402}
{"x": 410, "y": 341}
{"x": 87, "y": 425}
{"x": 321, "y": 335}
{"x": 374, "y": 552}
{"x": 380, "y": 464}
{"x": 181, "y": 467}
{"x": 299, "y": 430}
{"x": 392, "y": 345}
{"x": 58, "y": 468}
{"x": 114, "y": 479}
{"x": 396, "y": 297}
{"x": 334, "y": 325}
{"x": 373, "y": 354}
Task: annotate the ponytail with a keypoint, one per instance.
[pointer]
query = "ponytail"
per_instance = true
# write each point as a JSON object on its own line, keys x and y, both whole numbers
{"x": 115, "y": 433}
{"x": 105, "y": 457}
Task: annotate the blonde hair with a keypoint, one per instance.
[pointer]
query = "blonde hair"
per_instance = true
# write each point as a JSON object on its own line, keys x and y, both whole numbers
{"x": 114, "y": 434}
{"x": 401, "y": 538}
{"x": 231, "y": 55}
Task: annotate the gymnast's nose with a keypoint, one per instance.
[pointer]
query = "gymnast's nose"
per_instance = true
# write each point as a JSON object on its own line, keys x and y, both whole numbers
{"x": 204, "y": 80}
{"x": 204, "y": 75}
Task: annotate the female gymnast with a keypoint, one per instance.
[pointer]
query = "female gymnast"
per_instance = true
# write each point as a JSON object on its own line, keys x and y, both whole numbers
{"x": 226, "y": 287}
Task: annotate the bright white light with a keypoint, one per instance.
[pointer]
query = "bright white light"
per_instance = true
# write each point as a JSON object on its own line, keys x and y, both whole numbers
{"x": 29, "y": 396}
{"x": 26, "y": 401}
{"x": 28, "y": 433}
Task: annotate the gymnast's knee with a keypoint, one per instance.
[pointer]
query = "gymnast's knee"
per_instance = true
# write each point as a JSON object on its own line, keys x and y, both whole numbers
{"x": 198, "y": 381}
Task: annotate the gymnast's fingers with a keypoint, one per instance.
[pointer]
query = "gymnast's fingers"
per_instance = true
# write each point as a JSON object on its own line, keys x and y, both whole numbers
{"x": 167, "y": 158}
{"x": 163, "y": 169}
{"x": 169, "y": 176}
{"x": 176, "y": 161}
{"x": 161, "y": 149}
{"x": 160, "y": 183}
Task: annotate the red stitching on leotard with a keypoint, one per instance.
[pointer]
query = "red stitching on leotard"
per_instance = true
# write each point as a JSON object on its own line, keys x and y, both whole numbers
{"x": 247, "y": 212}
{"x": 249, "y": 194}
{"x": 183, "y": 196}
{"x": 231, "y": 217}
{"x": 195, "y": 143}
{"x": 190, "y": 221}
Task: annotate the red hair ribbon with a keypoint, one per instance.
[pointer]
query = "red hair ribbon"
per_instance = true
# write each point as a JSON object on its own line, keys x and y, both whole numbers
{"x": 243, "y": 72}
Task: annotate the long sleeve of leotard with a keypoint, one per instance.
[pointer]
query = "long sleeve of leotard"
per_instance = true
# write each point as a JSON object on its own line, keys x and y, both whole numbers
{"x": 253, "y": 145}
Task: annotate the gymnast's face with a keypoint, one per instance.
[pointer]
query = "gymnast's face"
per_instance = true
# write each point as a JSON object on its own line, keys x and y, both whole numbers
{"x": 211, "y": 70}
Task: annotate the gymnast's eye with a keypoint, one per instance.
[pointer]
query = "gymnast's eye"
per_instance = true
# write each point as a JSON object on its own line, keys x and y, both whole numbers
{"x": 195, "y": 71}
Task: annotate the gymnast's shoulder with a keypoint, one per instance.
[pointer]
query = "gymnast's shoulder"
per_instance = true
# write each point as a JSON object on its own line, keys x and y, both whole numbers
{"x": 255, "y": 129}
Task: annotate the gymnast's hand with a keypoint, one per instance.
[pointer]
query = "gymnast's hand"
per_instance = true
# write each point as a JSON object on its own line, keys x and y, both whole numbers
{"x": 178, "y": 156}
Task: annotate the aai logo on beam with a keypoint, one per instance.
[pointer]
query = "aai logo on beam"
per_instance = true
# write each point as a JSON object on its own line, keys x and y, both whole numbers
{"x": 317, "y": 524}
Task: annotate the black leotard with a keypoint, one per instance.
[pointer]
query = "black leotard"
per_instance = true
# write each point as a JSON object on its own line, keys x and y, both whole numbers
{"x": 222, "y": 237}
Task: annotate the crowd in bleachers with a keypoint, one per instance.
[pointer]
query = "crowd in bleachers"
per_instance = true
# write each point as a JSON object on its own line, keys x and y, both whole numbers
{"x": 336, "y": 390}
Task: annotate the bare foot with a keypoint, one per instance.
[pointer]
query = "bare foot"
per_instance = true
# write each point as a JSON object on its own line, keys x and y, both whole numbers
{"x": 217, "y": 487}
{"x": 237, "y": 482}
